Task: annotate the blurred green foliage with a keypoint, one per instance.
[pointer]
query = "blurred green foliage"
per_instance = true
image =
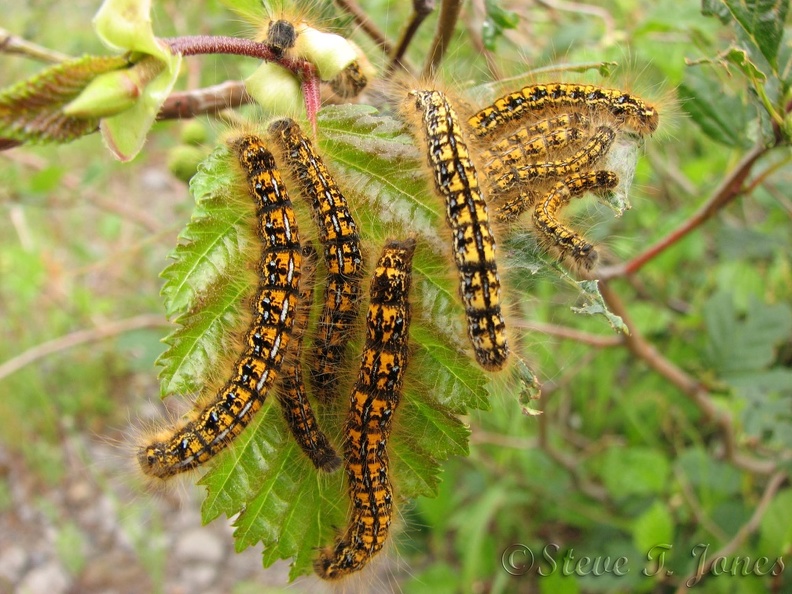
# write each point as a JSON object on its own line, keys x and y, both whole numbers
{"x": 621, "y": 461}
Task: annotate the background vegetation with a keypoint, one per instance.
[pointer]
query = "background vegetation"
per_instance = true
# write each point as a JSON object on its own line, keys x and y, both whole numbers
{"x": 678, "y": 434}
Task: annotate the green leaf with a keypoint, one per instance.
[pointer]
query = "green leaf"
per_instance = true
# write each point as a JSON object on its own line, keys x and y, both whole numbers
{"x": 763, "y": 23}
{"x": 32, "y": 109}
{"x": 126, "y": 25}
{"x": 776, "y": 527}
{"x": 716, "y": 8}
{"x": 721, "y": 116}
{"x": 635, "y": 471}
{"x": 211, "y": 267}
{"x": 740, "y": 59}
{"x": 126, "y": 132}
{"x": 655, "y": 526}
{"x": 496, "y": 21}
{"x": 739, "y": 344}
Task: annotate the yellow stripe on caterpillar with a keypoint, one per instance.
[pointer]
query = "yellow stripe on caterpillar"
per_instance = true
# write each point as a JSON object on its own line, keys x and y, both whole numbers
{"x": 265, "y": 342}
{"x": 456, "y": 181}
{"x": 374, "y": 399}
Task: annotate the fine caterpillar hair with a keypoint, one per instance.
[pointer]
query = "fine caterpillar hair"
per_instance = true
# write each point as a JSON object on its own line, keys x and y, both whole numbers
{"x": 343, "y": 256}
{"x": 374, "y": 399}
{"x": 559, "y": 236}
{"x": 473, "y": 243}
{"x": 588, "y": 155}
{"x": 500, "y": 161}
{"x": 529, "y": 135}
{"x": 291, "y": 393}
{"x": 234, "y": 405}
{"x": 535, "y": 101}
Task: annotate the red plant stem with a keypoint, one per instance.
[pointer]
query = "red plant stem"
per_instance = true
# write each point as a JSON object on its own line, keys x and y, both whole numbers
{"x": 731, "y": 188}
{"x": 192, "y": 45}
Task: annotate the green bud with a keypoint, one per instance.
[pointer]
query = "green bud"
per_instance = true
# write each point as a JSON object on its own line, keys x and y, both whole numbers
{"x": 113, "y": 92}
{"x": 193, "y": 132}
{"x": 183, "y": 161}
{"x": 330, "y": 53}
{"x": 276, "y": 90}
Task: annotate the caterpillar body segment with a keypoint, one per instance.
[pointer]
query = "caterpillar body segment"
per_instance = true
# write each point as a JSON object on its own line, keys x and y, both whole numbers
{"x": 588, "y": 155}
{"x": 338, "y": 234}
{"x": 291, "y": 393}
{"x": 456, "y": 181}
{"x": 567, "y": 241}
{"x": 499, "y": 163}
{"x": 350, "y": 82}
{"x": 274, "y": 309}
{"x": 535, "y": 101}
{"x": 374, "y": 399}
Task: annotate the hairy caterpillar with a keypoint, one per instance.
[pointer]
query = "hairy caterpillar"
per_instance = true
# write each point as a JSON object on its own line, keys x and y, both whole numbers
{"x": 534, "y": 100}
{"x": 291, "y": 393}
{"x": 455, "y": 179}
{"x": 499, "y": 163}
{"x": 566, "y": 240}
{"x": 339, "y": 236}
{"x": 375, "y": 397}
{"x": 274, "y": 309}
{"x": 526, "y": 135}
{"x": 594, "y": 150}
{"x": 283, "y": 37}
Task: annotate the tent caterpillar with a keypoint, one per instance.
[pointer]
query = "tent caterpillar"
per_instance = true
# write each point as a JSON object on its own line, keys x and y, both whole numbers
{"x": 562, "y": 237}
{"x": 455, "y": 179}
{"x": 339, "y": 236}
{"x": 625, "y": 109}
{"x": 211, "y": 429}
{"x": 291, "y": 393}
{"x": 374, "y": 399}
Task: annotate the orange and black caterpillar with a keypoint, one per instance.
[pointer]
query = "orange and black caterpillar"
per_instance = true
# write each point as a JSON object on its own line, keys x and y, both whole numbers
{"x": 536, "y": 100}
{"x": 593, "y": 151}
{"x": 274, "y": 309}
{"x": 564, "y": 239}
{"x": 456, "y": 181}
{"x": 374, "y": 399}
{"x": 338, "y": 234}
{"x": 291, "y": 393}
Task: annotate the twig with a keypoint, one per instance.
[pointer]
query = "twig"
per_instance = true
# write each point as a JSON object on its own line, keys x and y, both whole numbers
{"x": 449, "y": 15}
{"x": 80, "y": 337}
{"x": 731, "y": 188}
{"x": 13, "y": 44}
{"x": 691, "y": 387}
{"x": 209, "y": 100}
{"x": 569, "y": 333}
{"x": 421, "y": 10}
{"x": 366, "y": 24}
{"x": 773, "y": 485}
